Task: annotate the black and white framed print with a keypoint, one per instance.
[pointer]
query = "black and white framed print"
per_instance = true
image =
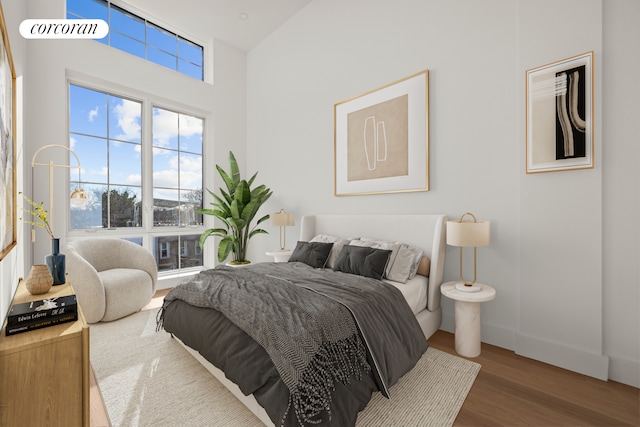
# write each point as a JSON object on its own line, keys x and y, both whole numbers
{"x": 560, "y": 115}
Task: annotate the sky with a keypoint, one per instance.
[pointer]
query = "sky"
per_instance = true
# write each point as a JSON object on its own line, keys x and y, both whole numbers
{"x": 106, "y": 134}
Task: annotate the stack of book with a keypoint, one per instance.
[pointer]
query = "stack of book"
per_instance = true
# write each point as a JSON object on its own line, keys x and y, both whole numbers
{"x": 41, "y": 314}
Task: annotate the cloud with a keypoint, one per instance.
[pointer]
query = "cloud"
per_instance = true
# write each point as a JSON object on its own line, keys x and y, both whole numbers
{"x": 165, "y": 178}
{"x": 93, "y": 113}
{"x": 190, "y": 173}
{"x": 134, "y": 179}
{"x": 128, "y": 116}
{"x": 191, "y": 164}
{"x": 167, "y": 125}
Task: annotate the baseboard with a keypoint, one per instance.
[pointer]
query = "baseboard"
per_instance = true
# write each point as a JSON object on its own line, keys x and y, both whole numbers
{"x": 490, "y": 334}
{"x": 573, "y": 359}
{"x": 576, "y": 360}
{"x": 624, "y": 371}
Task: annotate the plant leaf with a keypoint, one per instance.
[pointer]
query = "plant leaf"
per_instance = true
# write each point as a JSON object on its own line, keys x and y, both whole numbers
{"x": 224, "y": 248}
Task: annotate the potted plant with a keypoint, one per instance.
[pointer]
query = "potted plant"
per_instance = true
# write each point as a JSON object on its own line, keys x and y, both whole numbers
{"x": 236, "y": 208}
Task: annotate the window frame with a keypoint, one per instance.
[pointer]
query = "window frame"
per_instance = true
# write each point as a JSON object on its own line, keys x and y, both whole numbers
{"x": 207, "y": 57}
{"x": 147, "y": 232}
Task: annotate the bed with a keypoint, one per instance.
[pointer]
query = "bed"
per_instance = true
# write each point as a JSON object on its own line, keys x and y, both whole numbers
{"x": 373, "y": 329}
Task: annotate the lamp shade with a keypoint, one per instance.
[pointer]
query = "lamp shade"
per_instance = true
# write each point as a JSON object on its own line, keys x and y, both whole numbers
{"x": 79, "y": 198}
{"x": 282, "y": 219}
{"x": 468, "y": 234}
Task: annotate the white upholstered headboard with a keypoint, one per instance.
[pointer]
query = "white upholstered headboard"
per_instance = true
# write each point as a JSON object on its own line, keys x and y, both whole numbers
{"x": 424, "y": 231}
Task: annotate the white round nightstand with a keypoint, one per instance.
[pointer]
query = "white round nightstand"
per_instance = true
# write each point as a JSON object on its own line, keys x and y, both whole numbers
{"x": 467, "y": 316}
{"x": 280, "y": 255}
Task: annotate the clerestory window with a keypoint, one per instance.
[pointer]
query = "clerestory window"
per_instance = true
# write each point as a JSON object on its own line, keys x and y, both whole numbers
{"x": 142, "y": 38}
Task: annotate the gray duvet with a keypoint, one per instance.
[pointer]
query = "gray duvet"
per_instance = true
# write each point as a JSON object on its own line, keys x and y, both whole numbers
{"x": 311, "y": 345}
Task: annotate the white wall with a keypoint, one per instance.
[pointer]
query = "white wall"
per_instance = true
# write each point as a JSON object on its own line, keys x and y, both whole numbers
{"x": 621, "y": 196}
{"x": 560, "y": 214}
{"x": 557, "y": 293}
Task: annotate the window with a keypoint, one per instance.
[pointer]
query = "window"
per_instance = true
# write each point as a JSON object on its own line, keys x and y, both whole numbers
{"x": 104, "y": 131}
{"x": 177, "y": 168}
{"x": 143, "y": 176}
{"x": 142, "y": 38}
{"x": 165, "y": 250}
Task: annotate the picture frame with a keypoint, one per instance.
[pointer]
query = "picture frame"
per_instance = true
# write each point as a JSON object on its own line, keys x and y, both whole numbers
{"x": 559, "y": 120}
{"x": 8, "y": 193}
{"x": 381, "y": 139}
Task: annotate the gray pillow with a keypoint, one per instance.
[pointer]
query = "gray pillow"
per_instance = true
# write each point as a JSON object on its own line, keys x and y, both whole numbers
{"x": 363, "y": 261}
{"x": 394, "y": 247}
{"x": 338, "y": 243}
{"x": 314, "y": 254}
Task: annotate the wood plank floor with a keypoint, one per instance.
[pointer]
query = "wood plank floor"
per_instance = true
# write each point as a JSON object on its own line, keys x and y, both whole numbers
{"x": 511, "y": 390}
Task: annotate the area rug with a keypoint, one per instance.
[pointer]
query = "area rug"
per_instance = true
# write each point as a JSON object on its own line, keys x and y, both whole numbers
{"x": 148, "y": 379}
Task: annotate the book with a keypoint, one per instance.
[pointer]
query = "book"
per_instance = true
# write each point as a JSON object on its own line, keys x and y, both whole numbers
{"x": 39, "y": 324}
{"x": 40, "y": 310}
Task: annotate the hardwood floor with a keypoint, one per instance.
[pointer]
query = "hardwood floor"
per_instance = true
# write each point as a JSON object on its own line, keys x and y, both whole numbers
{"x": 511, "y": 390}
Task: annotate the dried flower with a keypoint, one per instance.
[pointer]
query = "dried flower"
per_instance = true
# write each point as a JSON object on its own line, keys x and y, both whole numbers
{"x": 39, "y": 212}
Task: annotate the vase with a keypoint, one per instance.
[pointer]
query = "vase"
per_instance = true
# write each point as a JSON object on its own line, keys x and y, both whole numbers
{"x": 56, "y": 263}
{"x": 39, "y": 280}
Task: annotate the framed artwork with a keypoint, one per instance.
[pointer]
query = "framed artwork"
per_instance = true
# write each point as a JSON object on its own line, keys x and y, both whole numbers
{"x": 560, "y": 115}
{"x": 381, "y": 139}
{"x": 8, "y": 195}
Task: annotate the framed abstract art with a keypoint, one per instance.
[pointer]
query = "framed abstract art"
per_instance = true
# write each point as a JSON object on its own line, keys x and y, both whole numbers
{"x": 560, "y": 115}
{"x": 8, "y": 195}
{"x": 381, "y": 139}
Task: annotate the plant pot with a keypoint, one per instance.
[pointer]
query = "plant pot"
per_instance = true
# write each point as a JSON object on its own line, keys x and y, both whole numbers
{"x": 238, "y": 263}
{"x": 39, "y": 280}
{"x": 56, "y": 263}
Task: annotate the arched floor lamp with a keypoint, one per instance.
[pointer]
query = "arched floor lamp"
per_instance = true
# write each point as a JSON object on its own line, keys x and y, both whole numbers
{"x": 79, "y": 197}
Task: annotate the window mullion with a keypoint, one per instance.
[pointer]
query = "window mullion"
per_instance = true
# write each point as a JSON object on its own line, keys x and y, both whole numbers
{"x": 147, "y": 171}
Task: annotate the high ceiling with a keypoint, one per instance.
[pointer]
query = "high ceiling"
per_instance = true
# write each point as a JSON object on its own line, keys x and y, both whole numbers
{"x": 240, "y": 23}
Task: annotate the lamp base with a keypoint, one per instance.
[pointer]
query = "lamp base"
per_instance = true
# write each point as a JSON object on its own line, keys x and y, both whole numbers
{"x": 460, "y": 286}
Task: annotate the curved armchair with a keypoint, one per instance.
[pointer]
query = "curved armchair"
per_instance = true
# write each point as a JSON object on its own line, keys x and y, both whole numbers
{"x": 112, "y": 277}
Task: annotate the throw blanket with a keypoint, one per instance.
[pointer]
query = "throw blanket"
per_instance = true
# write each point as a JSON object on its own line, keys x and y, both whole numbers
{"x": 301, "y": 320}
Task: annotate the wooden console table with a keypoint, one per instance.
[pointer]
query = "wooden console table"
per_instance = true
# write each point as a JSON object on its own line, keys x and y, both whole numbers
{"x": 44, "y": 373}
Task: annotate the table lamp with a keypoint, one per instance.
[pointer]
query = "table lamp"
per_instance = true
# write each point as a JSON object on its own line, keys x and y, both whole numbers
{"x": 283, "y": 220}
{"x": 465, "y": 234}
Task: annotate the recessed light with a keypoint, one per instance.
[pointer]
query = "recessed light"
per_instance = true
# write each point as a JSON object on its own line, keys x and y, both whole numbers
{"x": 244, "y": 16}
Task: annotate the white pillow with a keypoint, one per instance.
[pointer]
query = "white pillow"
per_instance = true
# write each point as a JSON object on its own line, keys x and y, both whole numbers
{"x": 417, "y": 252}
{"x": 402, "y": 266}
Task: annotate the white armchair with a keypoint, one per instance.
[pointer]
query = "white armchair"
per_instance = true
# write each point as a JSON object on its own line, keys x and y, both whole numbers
{"x": 112, "y": 277}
